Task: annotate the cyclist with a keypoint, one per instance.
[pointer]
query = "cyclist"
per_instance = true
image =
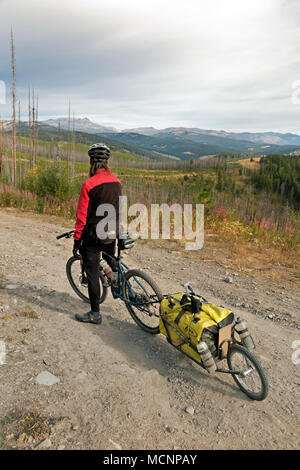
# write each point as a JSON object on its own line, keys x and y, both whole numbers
{"x": 102, "y": 187}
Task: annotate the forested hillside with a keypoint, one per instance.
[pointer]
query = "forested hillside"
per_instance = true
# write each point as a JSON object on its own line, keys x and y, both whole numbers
{"x": 281, "y": 175}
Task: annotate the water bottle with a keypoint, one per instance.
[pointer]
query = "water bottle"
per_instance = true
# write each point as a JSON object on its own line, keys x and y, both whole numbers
{"x": 246, "y": 338}
{"x": 206, "y": 356}
{"x": 106, "y": 268}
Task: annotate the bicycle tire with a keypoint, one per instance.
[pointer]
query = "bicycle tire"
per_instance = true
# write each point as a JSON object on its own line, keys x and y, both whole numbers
{"x": 136, "y": 273}
{"x": 241, "y": 350}
{"x": 85, "y": 298}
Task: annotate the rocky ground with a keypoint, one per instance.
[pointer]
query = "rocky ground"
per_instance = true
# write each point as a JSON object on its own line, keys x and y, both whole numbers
{"x": 115, "y": 387}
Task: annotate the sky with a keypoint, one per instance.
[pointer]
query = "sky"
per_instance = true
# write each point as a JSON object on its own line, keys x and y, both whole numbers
{"x": 211, "y": 64}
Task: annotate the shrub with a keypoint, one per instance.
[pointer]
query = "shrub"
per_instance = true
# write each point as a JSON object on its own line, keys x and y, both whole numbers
{"x": 48, "y": 179}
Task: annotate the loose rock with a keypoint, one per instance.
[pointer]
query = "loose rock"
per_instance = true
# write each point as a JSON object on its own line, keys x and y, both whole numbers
{"x": 46, "y": 444}
{"x": 46, "y": 378}
{"x": 190, "y": 410}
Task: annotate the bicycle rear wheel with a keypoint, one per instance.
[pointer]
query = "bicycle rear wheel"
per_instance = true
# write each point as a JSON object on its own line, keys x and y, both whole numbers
{"x": 142, "y": 298}
{"x": 252, "y": 379}
{"x": 78, "y": 280}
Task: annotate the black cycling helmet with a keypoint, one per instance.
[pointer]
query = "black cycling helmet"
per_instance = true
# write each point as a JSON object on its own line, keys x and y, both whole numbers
{"x": 99, "y": 152}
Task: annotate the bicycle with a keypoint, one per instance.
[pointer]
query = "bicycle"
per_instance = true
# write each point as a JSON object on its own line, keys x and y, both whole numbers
{"x": 134, "y": 287}
{"x": 142, "y": 298}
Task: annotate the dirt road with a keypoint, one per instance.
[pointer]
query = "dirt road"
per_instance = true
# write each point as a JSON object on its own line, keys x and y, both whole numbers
{"x": 120, "y": 388}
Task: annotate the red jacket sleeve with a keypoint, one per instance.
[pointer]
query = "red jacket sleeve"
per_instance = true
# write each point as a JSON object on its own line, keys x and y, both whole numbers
{"x": 81, "y": 213}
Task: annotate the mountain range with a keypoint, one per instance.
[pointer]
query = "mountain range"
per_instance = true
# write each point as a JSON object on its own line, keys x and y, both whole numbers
{"x": 172, "y": 142}
{"x": 186, "y": 143}
{"x": 270, "y": 138}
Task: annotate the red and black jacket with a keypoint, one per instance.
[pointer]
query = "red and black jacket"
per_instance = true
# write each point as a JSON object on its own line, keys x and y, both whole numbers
{"x": 102, "y": 188}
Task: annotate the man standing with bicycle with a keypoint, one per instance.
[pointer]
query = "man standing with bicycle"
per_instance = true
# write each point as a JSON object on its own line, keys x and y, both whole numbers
{"x": 102, "y": 187}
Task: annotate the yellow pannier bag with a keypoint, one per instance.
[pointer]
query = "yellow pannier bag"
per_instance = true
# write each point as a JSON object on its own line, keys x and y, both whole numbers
{"x": 188, "y": 319}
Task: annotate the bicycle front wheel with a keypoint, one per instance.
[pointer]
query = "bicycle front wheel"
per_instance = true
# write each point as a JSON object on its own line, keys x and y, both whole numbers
{"x": 251, "y": 379}
{"x": 142, "y": 298}
{"x": 78, "y": 280}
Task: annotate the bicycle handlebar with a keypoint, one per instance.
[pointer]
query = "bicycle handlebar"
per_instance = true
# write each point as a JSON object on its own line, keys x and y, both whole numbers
{"x": 65, "y": 235}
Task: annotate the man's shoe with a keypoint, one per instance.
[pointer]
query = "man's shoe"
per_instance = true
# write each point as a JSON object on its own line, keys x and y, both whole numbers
{"x": 89, "y": 317}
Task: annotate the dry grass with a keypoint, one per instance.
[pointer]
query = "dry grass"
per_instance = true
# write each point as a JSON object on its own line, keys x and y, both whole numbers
{"x": 34, "y": 424}
{"x": 6, "y": 316}
{"x": 30, "y": 314}
{"x": 255, "y": 258}
{"x": 25, "y": 427}
{"x": 250, "y": 163}
{"x": 247, "y": 256}
{"x": 24, "y": 330}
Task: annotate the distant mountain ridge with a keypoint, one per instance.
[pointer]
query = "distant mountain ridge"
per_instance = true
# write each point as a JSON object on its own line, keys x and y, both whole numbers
{"x": 80, "y": 124}
{"x": 272, "y": 138}
{"x": 172, "y": 142}
{"x": 142, "y": 130}
{"x": 186, "y": 145}
{"x": 193, "y": 133}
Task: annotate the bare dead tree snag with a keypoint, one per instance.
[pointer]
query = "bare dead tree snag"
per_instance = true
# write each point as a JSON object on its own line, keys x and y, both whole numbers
{"x": 36, "y": 131}
{"x": 29, "y": 126}
{"x": 14, "y": 140}
{"x": 33, "y": 127}
{"x": 58, "y": 149}
{"x": 73, "y": 149}
{"x": 69, "y": 141}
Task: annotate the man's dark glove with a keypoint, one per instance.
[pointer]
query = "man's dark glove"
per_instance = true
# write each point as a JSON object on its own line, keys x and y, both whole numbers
{"x": 76, "y": 246}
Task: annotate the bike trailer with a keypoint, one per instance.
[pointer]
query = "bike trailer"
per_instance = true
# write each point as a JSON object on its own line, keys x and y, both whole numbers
{"x": 188, "y": 319}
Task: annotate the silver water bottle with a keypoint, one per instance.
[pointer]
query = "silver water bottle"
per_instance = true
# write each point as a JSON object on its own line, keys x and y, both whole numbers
{"x": 242, "y": 330}
{"x": 206, "y": 356}
{"x": 106, "y": 268}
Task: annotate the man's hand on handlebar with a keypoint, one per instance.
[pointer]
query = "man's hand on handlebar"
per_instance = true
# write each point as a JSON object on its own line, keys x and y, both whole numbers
{"x": 76, "y": 246}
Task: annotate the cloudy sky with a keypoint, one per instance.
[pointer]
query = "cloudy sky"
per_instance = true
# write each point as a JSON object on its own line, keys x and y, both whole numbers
{"x": 213, "y": 64}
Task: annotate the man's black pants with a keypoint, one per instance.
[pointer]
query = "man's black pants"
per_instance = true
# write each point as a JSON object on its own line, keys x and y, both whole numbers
{"x": 90, "y": 251}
